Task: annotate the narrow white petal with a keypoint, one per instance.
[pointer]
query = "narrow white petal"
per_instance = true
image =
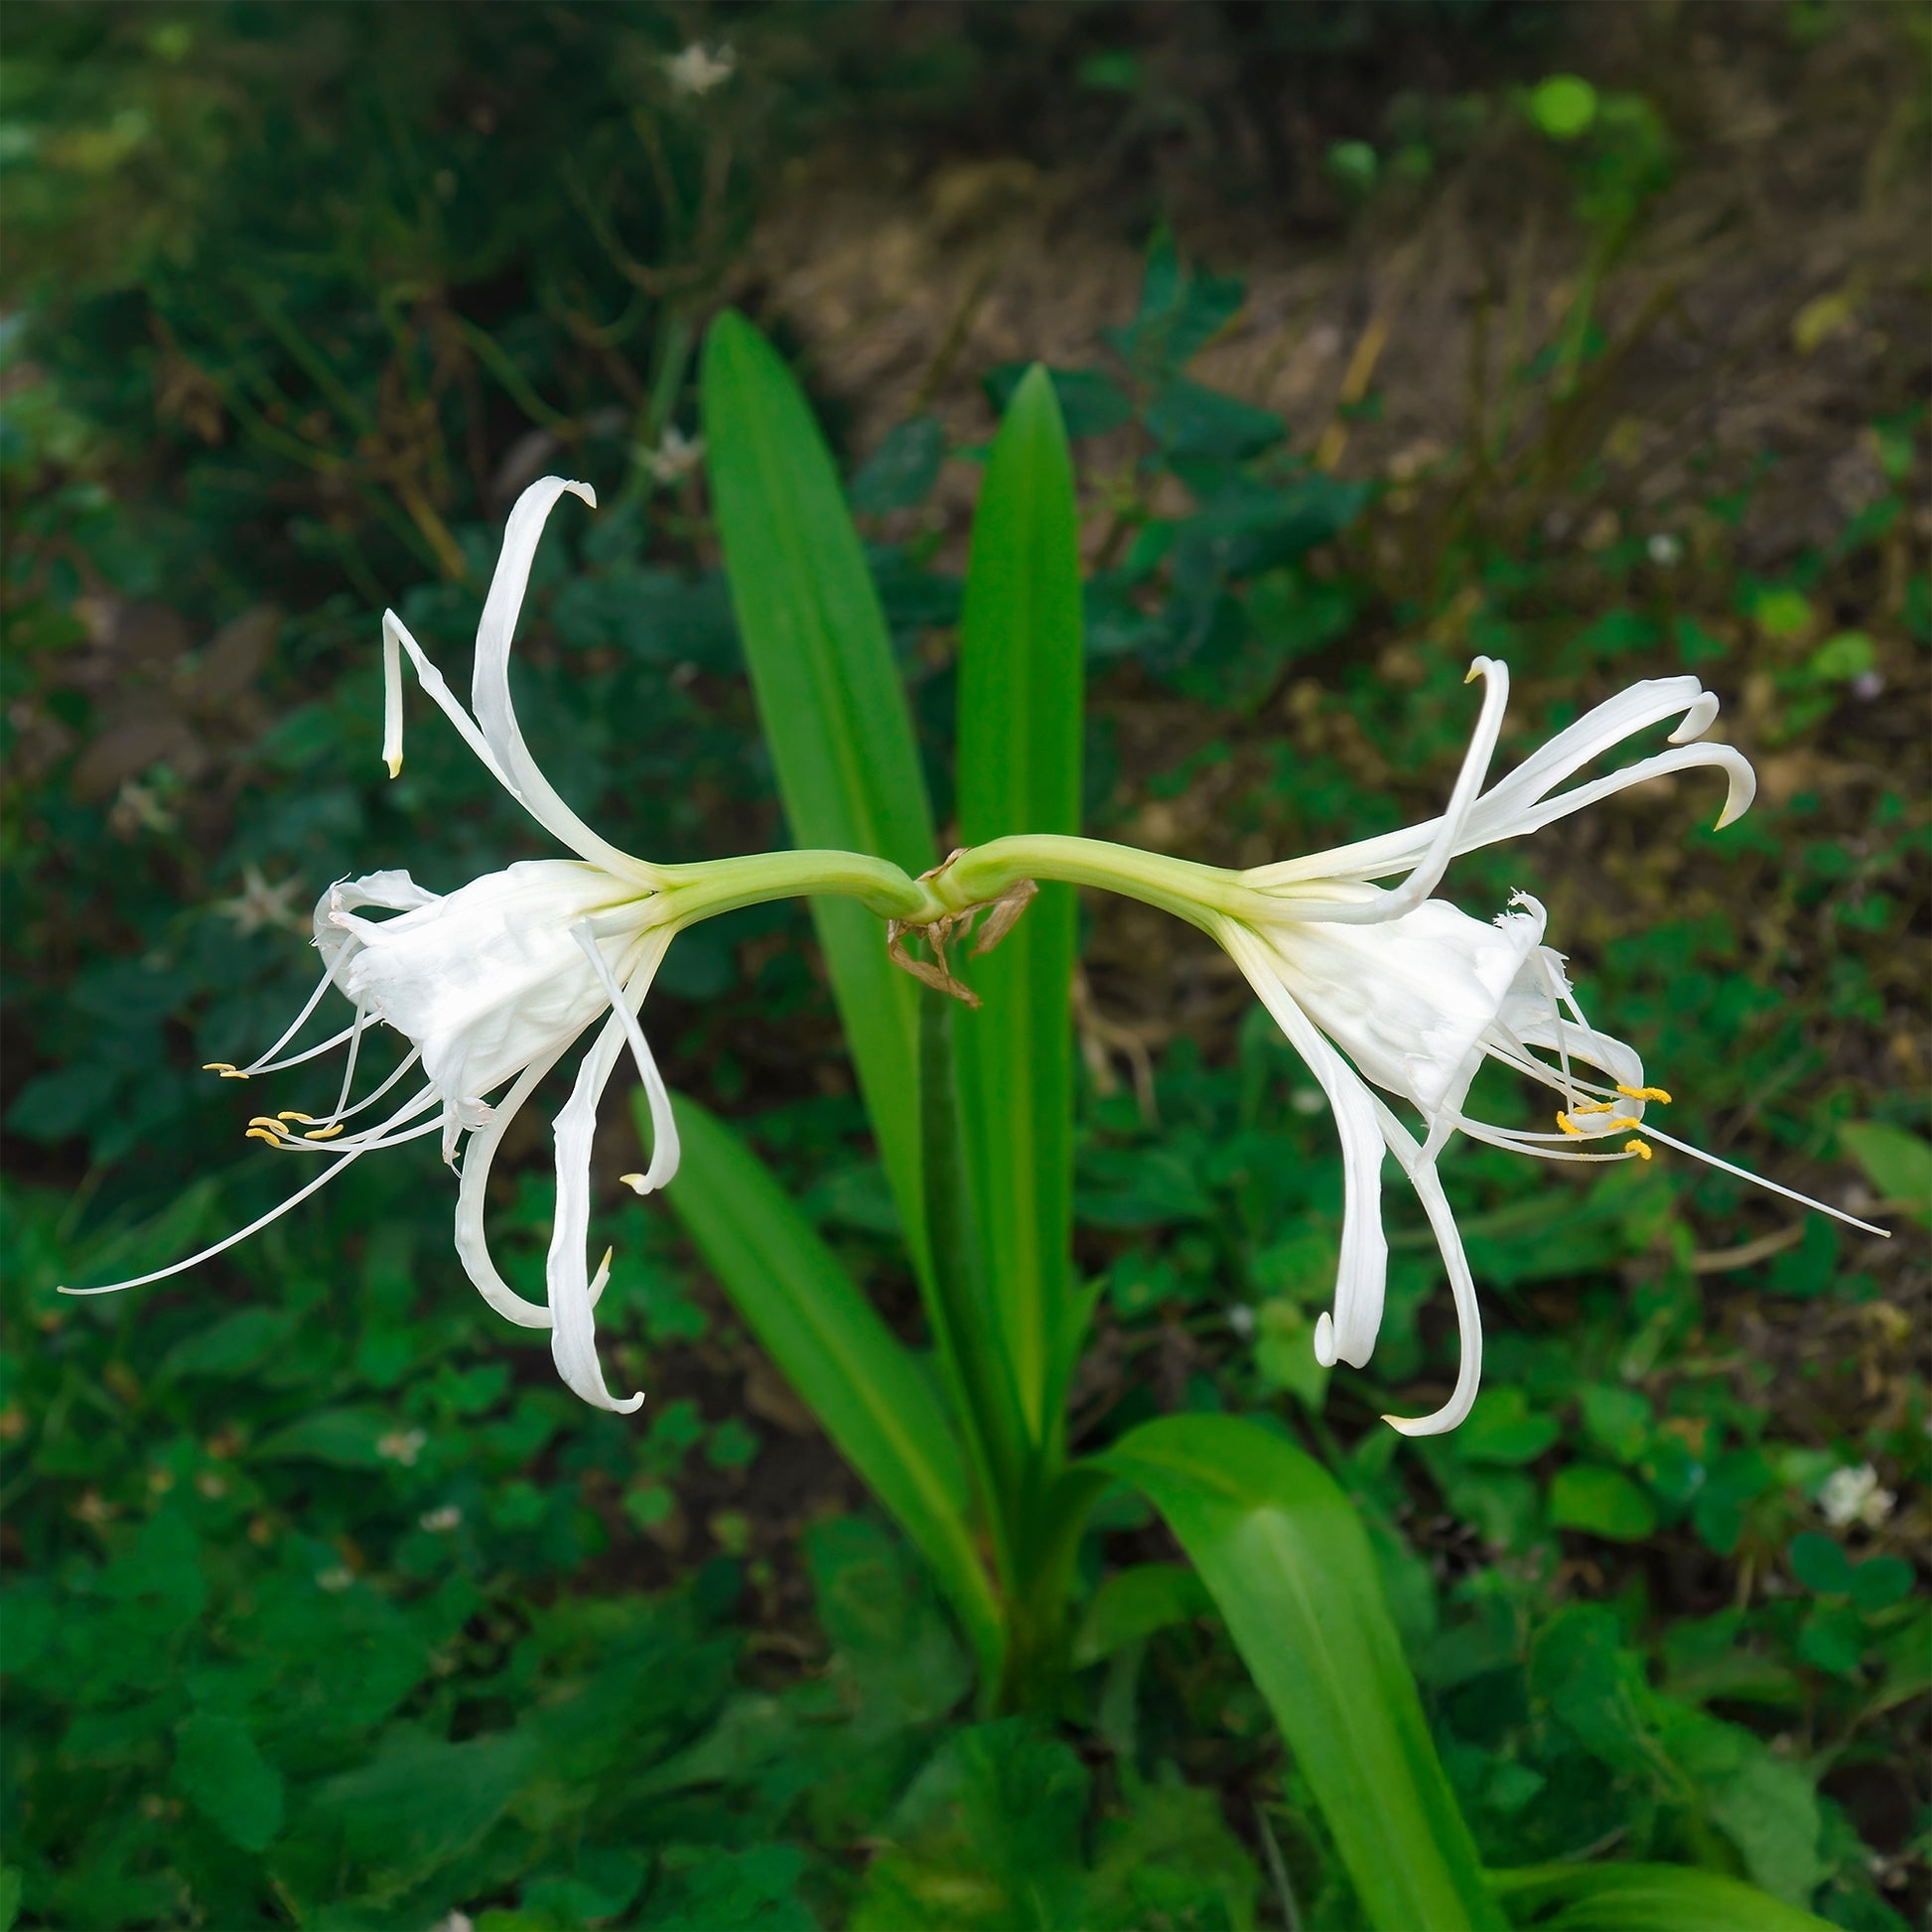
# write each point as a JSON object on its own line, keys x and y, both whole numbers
{"x": 1427, "y": 1185}
{"x": 573, "y": 1334}
{"x": 489, "y": 690}
{"x": 1361, "y": 1280}
{"x": 472, "y": 1246}
{"x": 624, "y": 1001}
{"x": 431, "y": 679}
{"x": 1446, "y": 832}
{"x": 1515, "y": 805}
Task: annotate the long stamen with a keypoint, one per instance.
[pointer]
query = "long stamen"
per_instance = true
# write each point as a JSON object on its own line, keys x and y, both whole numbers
{"x": 228, "y": 1068}
{"x": 254, "y": 1227}
{"x": 371, "y": 1138}
{"x": 1758, "y": 1181}
{"x": 349, "y": 1113}
{"x": 349, "y": 1073}
{"x": 329, "y": 1046}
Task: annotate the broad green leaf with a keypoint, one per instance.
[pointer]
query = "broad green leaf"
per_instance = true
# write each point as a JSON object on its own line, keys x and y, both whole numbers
{"x": 835, "y": 1351}
{"x": 1288, "y": 1563}
{"x": 227, "y": 1780}
{"x": 1020, "y": 725}
{"x": 1642, "y": 1899}
{"x": 1135, "y": 1602}
{"x": 1605, "y": 1502}
{"x": 829, "y": 699}
{"x": 1897, "y": 1164}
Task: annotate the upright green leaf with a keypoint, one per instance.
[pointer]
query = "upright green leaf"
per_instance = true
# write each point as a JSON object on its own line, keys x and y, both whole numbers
{"x": 1285, "y": 1558}
{"x": 1642, "y": 1898}
{"x": 1020, "y": 725}
{"x": 829, "y": 698}
{"x": 835, "y": 1351}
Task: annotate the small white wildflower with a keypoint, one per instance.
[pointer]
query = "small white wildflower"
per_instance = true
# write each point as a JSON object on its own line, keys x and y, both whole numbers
{"x": 675, "y": 456}
{"x": 1854, "y": 1497}
{"x": 402, "y": 1445}
{"x": 698, "y": 69}
{"x": 260, "y": 906}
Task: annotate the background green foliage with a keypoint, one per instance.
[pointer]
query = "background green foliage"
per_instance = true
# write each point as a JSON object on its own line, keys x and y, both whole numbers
{"x": 322, "y": 1603}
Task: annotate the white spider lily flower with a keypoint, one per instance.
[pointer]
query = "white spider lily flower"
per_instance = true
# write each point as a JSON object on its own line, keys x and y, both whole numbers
{"x": 490, "y": 985}
{"x": 1390, "y": 989}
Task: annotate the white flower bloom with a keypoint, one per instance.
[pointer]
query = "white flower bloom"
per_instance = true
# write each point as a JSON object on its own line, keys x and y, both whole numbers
{"x": 490, "y": 985}
{"x": 676, "y": 457}
{"x": 1854, "y": 1497}
{"x": 697, "y": 68}
{"x": 1390, "y": 989}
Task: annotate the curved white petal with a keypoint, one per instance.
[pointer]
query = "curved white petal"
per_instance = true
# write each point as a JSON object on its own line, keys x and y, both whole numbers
{"x": 490, "y": 691}
{"x": 1427, "y": 1185}
{"x": 573, "y": 1333}
{"x": 624, "y": 1001}
{"x": 394, "y": 633}
{"x": 472, "y": 1245}
{"x": 1361, "y": 1280}
{"x": 1742, "y": 788}
{"x": 1446, "y": 832}
{"x": 1518, "y": 803}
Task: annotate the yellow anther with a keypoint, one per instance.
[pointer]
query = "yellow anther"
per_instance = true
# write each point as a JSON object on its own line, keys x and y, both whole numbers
{"x": 1591, "y": 1107}
{"x": 1639, "y": 1147}
{"x": 1626, "y": 1120}
{"x": 273, "y": 1126}
{"x": 1567, "y": 1125}
{"x": 262, "y": 1133}
{"x": 323, "y": 1133}
{"x": 291, "y": 1114}
{"x": 223, "y": 1067}
{"x": 1645, "y": 1093}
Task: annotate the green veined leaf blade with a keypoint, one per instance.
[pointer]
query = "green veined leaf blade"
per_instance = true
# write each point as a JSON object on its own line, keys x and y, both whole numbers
{"x": 829, "y": 699}
{"x": 1289, "y": 1566}
{"x": 837, "y": 1354}
{"x": 1642, "y": 1898}
{"x": 1020, "y": 693}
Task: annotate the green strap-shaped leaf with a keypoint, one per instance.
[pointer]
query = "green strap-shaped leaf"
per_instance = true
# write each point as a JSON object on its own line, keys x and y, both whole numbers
{"x": 830, "y": 701}
{"x": 810, "y": 1318}
{"x": 1019, "y": 724}
{"x": 1289, "y": 1566}
{"x": 1642, "y": 1898}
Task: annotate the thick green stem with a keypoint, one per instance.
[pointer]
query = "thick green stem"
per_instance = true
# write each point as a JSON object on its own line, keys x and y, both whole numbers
{"x": 1190, "y": 891}
{"x": 701, "y": 892}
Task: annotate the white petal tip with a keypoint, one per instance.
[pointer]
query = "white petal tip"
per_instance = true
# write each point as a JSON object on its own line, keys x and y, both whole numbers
{"x": 1324, "y": 1341}
{"x": 395, "y": 766}
{"x": 1697, "y": 719}
{"x": 635, "y": 1403}
{"x": 636, "y": 1182}
{"x": 1417, "y": 1424}
{"x": 583, "y": 491}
